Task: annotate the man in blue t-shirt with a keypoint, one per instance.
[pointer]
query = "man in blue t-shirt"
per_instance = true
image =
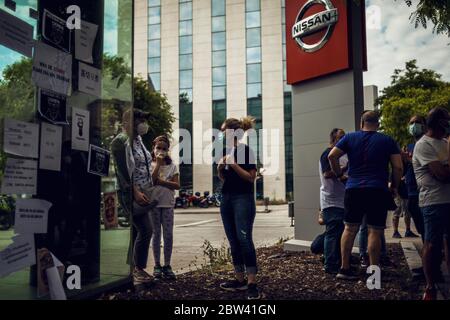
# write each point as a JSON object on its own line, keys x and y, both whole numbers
{"x": 367, "y": 190}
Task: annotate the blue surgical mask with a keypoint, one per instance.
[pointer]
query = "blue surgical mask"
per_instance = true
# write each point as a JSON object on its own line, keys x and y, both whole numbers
{"x": 416, "y": 129}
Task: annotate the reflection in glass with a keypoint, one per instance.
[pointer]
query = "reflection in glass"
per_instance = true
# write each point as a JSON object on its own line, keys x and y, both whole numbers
{"x": 155, "y": 79}
{"x": 154, "y": 64}
{"x": 254, "y": 73}
{"x": 254, "y": 55}
{"x": 218, "y": 8}
{"x": 218, "y": 24}
{"x": 218, "y": 41}
{"x": 154, "y": 15}
{"x": 185, "y": 11}
{"x": 254, "y": 90}
{"x": 219, "y": 76}
{"x": 253, "y": 19}
{"x": 152, "y": 3}
{"x": 185, "y": 79}
{"x": 154, "y": 48}
{"x": 185, "y": 44}
{"x": 186, "y": 96}
{"x": 186, "y": 28}
{"x": 185, "y": 61}
{"x": 253, "y": 37}
{"x": 218, "y": 58}
{"x": 154, "y": 31}
{"x": 252, "y": 5}
{"x": 219, "y": 93}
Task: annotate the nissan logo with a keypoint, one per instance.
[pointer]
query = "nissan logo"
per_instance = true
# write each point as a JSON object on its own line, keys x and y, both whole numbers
{"x": 305, "y": 26}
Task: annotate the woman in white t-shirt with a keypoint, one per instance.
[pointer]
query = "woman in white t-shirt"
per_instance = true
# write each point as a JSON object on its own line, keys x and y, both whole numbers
{"x": 162, "y": 216}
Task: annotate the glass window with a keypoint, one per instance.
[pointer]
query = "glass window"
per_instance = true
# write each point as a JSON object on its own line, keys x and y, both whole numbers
{"x": 253, "y": 37}
{"x": 186, "y": 79}
{"x": 218, "y": 8}
{"x": 154, "y": 15}
{"x": 186, "y": 96}
{"x": 186, "y": 11}
{"x": 154, "y": 31}
{"x": 254, "y": 55}
{"x": 154, "y": 65}
{"x": 154, "y": 48}
{"x": 155, "y": 79}
{"x": 283, "y": 34}
{"x": 284, "y": 52}
{"x": 252, "y": 19}
{"x": 252, "y": 5}
{"x": 219, "y": 58}
{"x": 254, "y": 73}
{"x": 185, "y": 61}
{"x": 186, "y": 28}
{"x": 218, "y": 41}
{"x": 219, "y": 76}
{"x": 284, "y": 70}
{"x": 152, "y": 3}
{"x": 254, "y": 90}
{"x": 218, "y": 24}
{"x": 219, "y": 93}
{"x": 283, "y": 17}
{"x": 185, "y": 44}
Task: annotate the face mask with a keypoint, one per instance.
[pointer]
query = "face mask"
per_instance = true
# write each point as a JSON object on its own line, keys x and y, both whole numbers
{"x": 142, "y": 128}
{"x": 416, "y": 129}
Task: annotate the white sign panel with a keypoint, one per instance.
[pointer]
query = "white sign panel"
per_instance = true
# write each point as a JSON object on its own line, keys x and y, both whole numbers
{"x": 84, "y": 41}
{"x": 20, "y": 177}
{"x": 51, "y": 143}
{"x": 89, "y": 80}
{"x": 16, "y": 34}
{"x": 21, "y": 138}
{"x": 17, "y": 256}
{"x": 52, "y": 69}
{"x": 80, "y": 129}
{"x": 31, "y": 216}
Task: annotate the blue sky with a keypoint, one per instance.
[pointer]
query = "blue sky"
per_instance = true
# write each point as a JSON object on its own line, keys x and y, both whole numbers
{"x": 391, "y": 40}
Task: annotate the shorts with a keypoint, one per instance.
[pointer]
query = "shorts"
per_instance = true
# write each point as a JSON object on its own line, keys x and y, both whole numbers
{"x": 436, "y": 220}
{"x": 370, "y": 202}
{"x": 402, "y": 208}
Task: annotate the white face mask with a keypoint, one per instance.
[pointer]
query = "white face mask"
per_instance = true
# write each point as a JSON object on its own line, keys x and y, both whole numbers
{"x": 142, "y": 128}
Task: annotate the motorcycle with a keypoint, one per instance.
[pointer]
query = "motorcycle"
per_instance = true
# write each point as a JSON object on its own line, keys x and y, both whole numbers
{"x": 204, "y": 200}
{"x": 215, "y": 199}
{"x": 182, "y": 201}
{"x": 194, "y": 199}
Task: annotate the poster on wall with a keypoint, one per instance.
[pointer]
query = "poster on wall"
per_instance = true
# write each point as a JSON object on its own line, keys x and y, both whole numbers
{"x": 54, "y": 30}
{"x": 89, "y": 79}
{"x": 16, "y": 34}
{"x": 51, "y": 144}
{"x": 80, "y": 129}
{"x": 52, "y": 69}
{"x": 52, "y": 107}
{"x": 20, "y": 177}
{"x": 110, "y": 218}
{"x": 84, "y": 41}
{"x": 50, "y": 273}
{"x": 31, "y": 216}
{"x": 98, "y": 161}
{"x": 21, "y": 138}
{"x": 18, "y": 255}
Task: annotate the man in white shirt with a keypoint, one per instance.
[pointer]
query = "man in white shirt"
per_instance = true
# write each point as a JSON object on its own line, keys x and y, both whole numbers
{"x": 431, "y": 168}
{"x": 332, "y": 193}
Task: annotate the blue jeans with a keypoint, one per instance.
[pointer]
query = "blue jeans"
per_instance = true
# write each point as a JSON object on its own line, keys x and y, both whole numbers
{"x": 363, "y": 239}
{"x": 238, "y": 213}
{"x": 334, "y": 222}
{"x": 436, "y": 220}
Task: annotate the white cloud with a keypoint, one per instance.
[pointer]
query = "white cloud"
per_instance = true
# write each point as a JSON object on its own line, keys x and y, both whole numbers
{"x": 399, "y": 41}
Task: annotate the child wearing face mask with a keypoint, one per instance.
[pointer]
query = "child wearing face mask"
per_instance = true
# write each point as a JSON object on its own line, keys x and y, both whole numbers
{"x": 162, "y": 216}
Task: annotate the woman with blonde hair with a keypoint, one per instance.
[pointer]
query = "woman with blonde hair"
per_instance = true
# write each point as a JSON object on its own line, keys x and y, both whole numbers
{"x": 237, "y": 170}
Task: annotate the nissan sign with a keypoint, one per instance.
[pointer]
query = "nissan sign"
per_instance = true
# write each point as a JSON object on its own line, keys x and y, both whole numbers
{"x": 305, "y": 26}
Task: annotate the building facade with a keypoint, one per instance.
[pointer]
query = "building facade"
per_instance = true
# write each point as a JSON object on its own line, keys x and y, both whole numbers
{"x": 216, "y": 59}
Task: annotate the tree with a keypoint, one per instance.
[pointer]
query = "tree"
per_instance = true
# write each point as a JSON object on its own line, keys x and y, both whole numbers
{"x": 412, "y": 92}
{"x": 436, "y": 11}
